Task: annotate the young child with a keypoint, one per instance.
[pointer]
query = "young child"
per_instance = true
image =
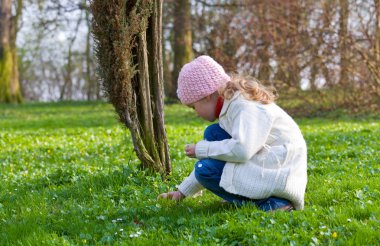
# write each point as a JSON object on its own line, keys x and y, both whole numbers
{"x": 255, "y": 154}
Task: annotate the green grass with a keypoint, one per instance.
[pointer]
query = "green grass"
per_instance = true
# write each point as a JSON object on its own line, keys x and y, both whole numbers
{"x": 68, "y": 176}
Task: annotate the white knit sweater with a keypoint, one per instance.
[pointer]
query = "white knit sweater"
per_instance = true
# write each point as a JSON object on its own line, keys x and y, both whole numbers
{"x": 266, "y": 155}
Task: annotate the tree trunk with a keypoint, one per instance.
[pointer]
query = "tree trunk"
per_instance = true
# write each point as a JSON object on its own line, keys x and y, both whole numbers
{"x": 377, "y": 36}
{"x": 9, "y": 77}
{"x": 91, "y": 84}
{"x": 263, "y": 52}
{"x": 376, "y": 70}
{"x": 66, "y": 89}
{"x": 128, "y": 37}
{"x": 343, "y": 46}
{"x": 183, "y": 49}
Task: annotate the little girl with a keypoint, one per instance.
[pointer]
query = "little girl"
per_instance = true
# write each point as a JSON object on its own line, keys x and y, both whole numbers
{"x": 255, "y": 154}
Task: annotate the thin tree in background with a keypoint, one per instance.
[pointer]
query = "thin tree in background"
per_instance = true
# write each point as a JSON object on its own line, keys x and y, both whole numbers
{"x": 343, "y": 45}
{"x": 128, "y": 47}
{"x": 264, "y": 45}
{"x": 377, "y": 28}
{"x": 67, "y": 89}
{"x": 92, "y": 87}
{"x": 375, "y": 69}
{"x": 9, "y": 76}
{"x": 183, "y": 44}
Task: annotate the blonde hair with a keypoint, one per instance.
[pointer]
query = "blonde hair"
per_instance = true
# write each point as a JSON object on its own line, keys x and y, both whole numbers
{"x": 250, "y": 87}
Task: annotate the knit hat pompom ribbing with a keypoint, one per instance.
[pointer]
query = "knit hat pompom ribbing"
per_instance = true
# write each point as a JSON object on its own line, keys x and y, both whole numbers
{"x": 200, "y": 78}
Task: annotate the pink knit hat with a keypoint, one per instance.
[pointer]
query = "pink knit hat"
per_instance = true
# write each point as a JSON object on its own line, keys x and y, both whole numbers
{"x": 200, "y": 78}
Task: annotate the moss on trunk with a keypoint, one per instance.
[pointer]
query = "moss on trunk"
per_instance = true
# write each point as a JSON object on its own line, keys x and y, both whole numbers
{"x": 9, "y": 84}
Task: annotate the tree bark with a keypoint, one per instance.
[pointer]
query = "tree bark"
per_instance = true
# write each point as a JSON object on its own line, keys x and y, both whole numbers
{"x": 90, "y": 82}
{"x": 183, "y": 50}
{"x": 343, "y": 46}
{"x": 376, "y": 70}
{"x": 263, "y": 53}
{"x": 377, "y": 35}
{"x": 9, "y": 77}
{"x": 128, "y": 37}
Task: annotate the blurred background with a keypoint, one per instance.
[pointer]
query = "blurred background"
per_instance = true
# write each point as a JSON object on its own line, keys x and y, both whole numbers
{"x": 320, "y": 55}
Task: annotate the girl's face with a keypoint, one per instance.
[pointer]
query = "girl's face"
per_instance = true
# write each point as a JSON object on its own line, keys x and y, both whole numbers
{"x": 205, "y": 108}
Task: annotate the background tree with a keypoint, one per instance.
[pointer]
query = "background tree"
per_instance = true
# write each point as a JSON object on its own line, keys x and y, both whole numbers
{"x": 183, "y": 44}
{"x": 344, "y": 78}
{"x": 128, "y": 47}
{"x": 92, "y": 87}
{"x": 9, "y": 76}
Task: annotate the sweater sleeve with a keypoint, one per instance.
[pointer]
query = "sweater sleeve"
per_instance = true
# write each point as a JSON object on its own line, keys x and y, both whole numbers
{"x": 251, "y": 126}
{"x": 190, "y": 186}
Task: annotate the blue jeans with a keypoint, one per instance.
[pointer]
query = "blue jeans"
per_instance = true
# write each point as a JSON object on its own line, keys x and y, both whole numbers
{"x": 208, "y": 172}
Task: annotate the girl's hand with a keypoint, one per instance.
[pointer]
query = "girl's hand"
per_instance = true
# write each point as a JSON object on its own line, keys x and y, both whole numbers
{"x": 172, "y": 195}
{"x": 190, "y": 150}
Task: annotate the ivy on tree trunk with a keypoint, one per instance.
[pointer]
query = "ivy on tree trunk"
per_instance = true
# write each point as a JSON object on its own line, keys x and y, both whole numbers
{"x": 128, "y": 47}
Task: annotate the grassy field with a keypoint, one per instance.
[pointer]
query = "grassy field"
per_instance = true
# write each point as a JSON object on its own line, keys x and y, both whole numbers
{"x": 68, "y": 176}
